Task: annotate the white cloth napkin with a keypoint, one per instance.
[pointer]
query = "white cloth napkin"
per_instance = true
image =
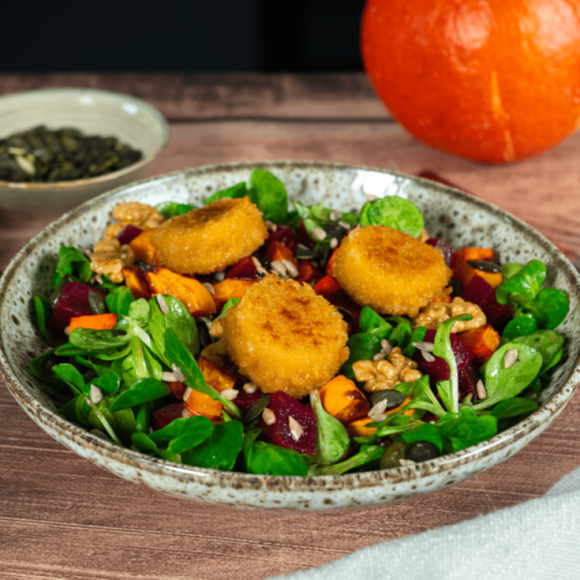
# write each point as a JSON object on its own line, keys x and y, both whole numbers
{"x": 537, "y": 539}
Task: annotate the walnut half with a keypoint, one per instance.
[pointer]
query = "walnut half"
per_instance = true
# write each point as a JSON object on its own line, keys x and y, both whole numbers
{"x": 383, "y": 374}
{"x": 134, "y": 213}
{"x": 437, "y": 312}
{"x": 109, "y": 257}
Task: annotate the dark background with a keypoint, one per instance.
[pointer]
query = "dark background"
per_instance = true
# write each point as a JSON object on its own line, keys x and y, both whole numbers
{"x": 194, "y": 36}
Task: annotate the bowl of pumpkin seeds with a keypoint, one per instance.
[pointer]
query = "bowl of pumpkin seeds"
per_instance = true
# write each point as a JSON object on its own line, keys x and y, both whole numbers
{"x": 60, "y": 147}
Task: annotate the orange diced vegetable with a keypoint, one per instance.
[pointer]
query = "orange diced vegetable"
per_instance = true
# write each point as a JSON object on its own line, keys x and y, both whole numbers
{"x": 136, "y": 282}
{"x": 278, "y": 251}
{"x": 481, "y": 342}
{"x": 190, "y": 292}
{"x": 474, "y": 254}
{"x": 359, "y": 428}
{"x": 143, "y": 248}
{"x": 331, "y": 262}
{"x": 444, "y": 299}
{"x": 215, "y": 376}
{"x": 305, "y": 271}
{"x": 94, "y": 321}
{"x": 201, "y": 404}
{"x": 230, "y": 288}
{"x": 327, "y": 285}
{"x": 341, "y": 399}
{"x": 177, "y": 388}
{"x": 464, "y": 272}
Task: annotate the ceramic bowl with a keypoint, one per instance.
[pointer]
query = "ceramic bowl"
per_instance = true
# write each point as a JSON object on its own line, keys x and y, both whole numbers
{"x": 449, "y": 214}
{"x": 103, "y": 113}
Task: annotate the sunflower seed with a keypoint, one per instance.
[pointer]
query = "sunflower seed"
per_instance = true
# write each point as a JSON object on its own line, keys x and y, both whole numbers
{"x": 187, "y": 393}
{"x": 379, "y": 408}
{"x": 371, "y": 197}
{"x": 209, "y": 288}
{"x": 481, "y": 391}
{"x": 406, "y": 462}
{"x": 295, "y": 428}
{"x": 334, "y": 243}
{"x": 424, "y": 346}
{"x": 250, "y": 388}
{"x": 96, "y": 395}
{"x": 162, "y": 303}
{"x": 291, "y": 268}
{"x": 379, "y": 356}
{"x": 270, "y": 225}
{"x": 377, "y": 417}
{"x": 386, "y": 346}
{"x": 230, "y": 394}
{"x": 268, "y": 416}
{"x": 428, "y": 356}
{"x": 167, "y": 377}
{"x": 345, "y": 225}
{"x": 177, "y": 371}
{"x": 511, "y": 357}
{"x": 319, "y": 233}
{"x": 279, "y": 267}
{"x": 186, "y": 414}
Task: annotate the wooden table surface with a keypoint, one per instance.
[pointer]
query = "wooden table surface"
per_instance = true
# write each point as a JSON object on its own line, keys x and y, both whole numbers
{"x": 62, "y": 517}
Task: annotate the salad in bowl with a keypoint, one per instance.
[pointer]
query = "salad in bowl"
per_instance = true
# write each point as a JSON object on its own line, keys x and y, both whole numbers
{"x": 249, "y": 333}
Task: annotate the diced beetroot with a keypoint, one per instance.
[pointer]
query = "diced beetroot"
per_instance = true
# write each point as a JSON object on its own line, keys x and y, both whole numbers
{"x": 479, "y": 292}
{"x": 284, "y": 406}
{"x": 162, "y": 417}
{"x": 243, "y": 270}
{"x": 128, "y": 234}
{"x": 245, "y": 400}
{"x": 73, "y": 301}
{"x": 341, "y": 299}
{"x": 285, "y": 235}
{"x": 447, "y": 251}
{"x": 438, "y": 370}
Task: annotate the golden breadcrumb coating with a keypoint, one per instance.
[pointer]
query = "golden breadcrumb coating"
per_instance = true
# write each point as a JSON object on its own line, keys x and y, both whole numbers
{"x": 284, "y": 337}
{"x": 210, "y": 239}
{"x": 390, "y": 271}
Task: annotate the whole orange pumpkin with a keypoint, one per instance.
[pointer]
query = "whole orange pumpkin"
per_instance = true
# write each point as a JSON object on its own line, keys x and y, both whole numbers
{"x": 490, "y": 80}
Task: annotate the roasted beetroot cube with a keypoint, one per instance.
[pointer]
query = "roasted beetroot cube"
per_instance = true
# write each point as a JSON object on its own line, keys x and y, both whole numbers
{"x": 162, "y": 417}
{"x": 284, "y": 407}
{"x": 73, "y": 301}
{"x": 128, "y": 234}
{"x": 479, "y": 292}
{"x": 438, "y": 370}
{"x": 447, "y": 251}
{"x": 285, "y": 235}
{"x": 245, "y": 400}
{"x": 243, "y": 270}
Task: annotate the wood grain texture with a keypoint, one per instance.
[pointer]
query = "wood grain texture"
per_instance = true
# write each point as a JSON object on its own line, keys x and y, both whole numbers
{"x": 62, "y": 517}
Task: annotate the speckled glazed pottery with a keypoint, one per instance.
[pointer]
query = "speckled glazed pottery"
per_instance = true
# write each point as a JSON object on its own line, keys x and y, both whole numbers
{"x": 449, "y": 214}
{"x": 94, "y": 112}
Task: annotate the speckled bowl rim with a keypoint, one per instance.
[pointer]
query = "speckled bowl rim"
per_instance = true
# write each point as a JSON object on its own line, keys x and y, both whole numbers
{"x": 157, "y": 115}
{"x": 328, "y": 483}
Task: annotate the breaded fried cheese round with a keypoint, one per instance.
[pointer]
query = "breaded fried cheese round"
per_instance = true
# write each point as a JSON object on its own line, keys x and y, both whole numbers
{"x": 390, "y": 271}
{"x": 210, "y": 239}
{"x": 284, "y": 337}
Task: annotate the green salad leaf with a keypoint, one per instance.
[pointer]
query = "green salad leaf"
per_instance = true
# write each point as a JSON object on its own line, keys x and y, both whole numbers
{"x": 448, "y": 390}
{"x": 368, "y": 456}
{"x": 72, "y": 263}
{"x": 235, "y": 191}
{"x": 462, "y": 430}
{"x": 269, "y": 194}
{"x": 265, "y": 458}
{"x": 142, "y": 391}
{"x": 169, "y": 209}
{"x": 394, "y": 212}
{"x": 502, "y": 383}
{"x": 372, "y": 323}
{"x": 332, "y": 438}
{"x": 362, "y": 346}
{"x": 220, "y": 450}
{"x": 119, "y": 300}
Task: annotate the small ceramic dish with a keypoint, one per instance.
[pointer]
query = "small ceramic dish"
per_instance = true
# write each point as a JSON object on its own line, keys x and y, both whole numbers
{"x": 94, "y": 112}
{"x": 449, "y": 214}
